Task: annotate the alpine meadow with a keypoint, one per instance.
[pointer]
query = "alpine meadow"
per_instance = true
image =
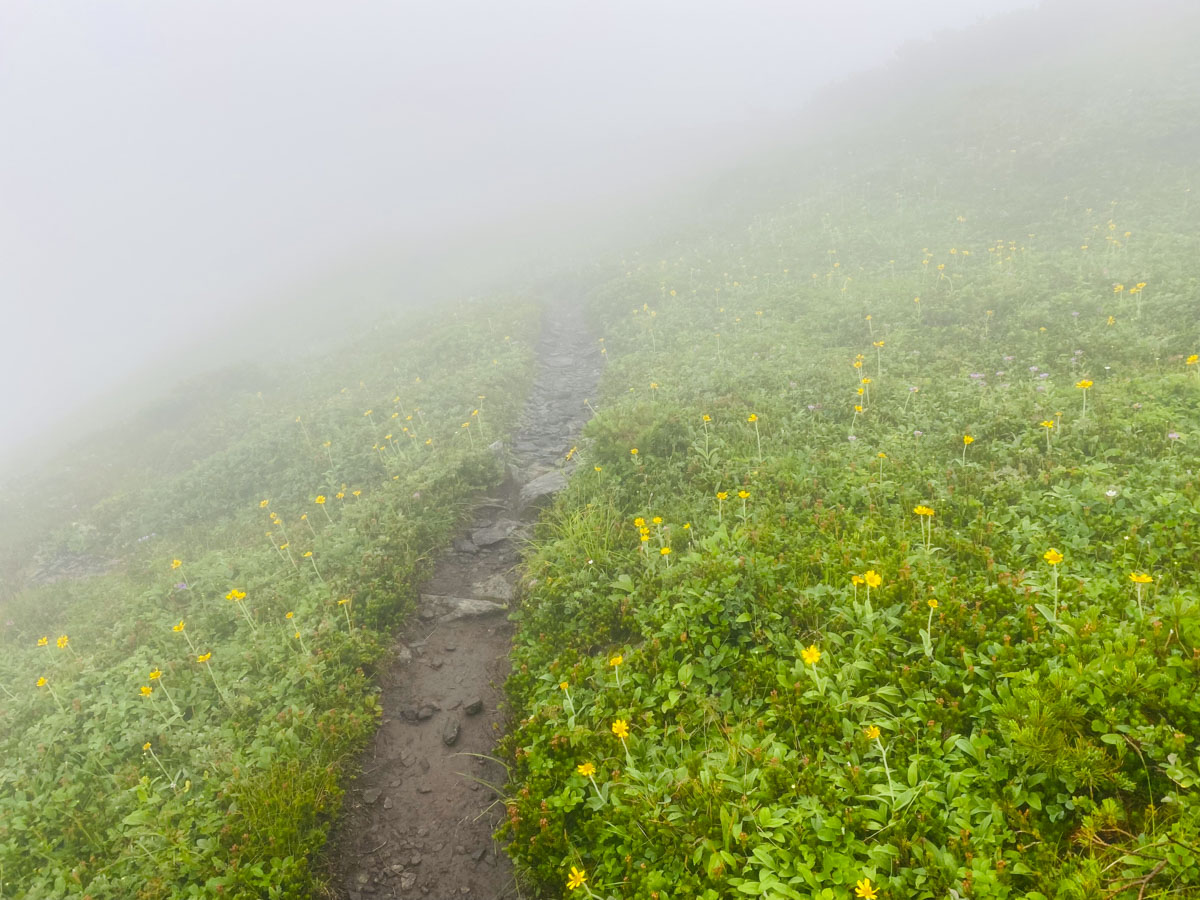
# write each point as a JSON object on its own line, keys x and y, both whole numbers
{"x": 874, "y": 573}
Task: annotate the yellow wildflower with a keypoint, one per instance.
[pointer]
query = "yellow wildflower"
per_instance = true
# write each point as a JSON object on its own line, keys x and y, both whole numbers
{"x": 577, "y": 878}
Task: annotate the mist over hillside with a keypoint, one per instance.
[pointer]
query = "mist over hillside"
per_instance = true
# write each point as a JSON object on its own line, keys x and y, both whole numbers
{"x": 961, "y": 98}
{"x": 188, "y": 184}
{"x": 677, "y": 451}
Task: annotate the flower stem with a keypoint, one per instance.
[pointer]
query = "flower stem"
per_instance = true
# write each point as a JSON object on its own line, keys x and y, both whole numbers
{"x": 886, "y": 770}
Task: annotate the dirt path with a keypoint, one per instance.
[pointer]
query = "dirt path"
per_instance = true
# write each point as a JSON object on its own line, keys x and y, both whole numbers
{"x": 419, "y": 820}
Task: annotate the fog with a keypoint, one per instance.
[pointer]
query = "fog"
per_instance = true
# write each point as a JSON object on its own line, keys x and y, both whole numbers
{"x": 168, "y": 169}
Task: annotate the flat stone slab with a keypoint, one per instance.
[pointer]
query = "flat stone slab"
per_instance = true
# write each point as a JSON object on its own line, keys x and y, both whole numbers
{"x": 493, "y": 534}
{"x": 447, "y": 609}
{"x": 541, "y": 489}
{"x": 494, "y": 588}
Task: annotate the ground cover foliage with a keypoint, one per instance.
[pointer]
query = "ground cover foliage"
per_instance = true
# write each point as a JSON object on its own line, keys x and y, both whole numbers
{"x": 180, "y": 726}
{"x": 878, "y": 575}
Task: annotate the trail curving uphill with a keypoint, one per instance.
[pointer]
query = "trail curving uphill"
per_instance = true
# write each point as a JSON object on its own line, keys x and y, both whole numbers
{"x": 420, "y": 818}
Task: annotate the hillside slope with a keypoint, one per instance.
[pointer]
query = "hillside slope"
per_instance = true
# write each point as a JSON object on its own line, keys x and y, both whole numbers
{"x": 879, "y": 577}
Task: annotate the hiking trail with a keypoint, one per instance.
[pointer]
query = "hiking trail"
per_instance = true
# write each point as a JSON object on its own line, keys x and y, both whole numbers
{"x": 419, "y": 819}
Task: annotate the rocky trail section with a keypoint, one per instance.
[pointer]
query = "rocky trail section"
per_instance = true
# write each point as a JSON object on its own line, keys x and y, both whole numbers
{"x": 419, "y": 820}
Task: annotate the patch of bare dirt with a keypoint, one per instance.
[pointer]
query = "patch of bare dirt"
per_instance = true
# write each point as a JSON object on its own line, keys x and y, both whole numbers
{"x": 419, "y": 819}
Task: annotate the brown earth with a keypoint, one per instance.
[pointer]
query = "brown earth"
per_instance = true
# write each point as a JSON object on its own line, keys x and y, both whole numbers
{"x": 419, "y": 819}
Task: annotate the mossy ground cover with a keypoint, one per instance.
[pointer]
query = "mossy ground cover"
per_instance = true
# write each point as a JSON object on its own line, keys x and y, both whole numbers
{"x": 878, "y": 576}
{"x": 181, "y": 726}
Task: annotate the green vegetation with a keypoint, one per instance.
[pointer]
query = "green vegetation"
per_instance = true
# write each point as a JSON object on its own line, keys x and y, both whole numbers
{"x": 180, "y": 726}
{"x": 879, "y": 574}
{"x": 877, "y": 580}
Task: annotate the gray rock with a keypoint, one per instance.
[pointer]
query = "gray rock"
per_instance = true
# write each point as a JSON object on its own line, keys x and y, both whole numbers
{"x": 370, "y": 795}
{"x": 493, "y": 534}
{"x": 408, "y": 881}
{"x": 387, "y": 802}
{"x": 403, "y": 654}
{"x": 426, "y": 711}
{"x": 479, "y": 854}
{"x": 464, "y": 545}
{"x": 539, "y": 491}
{"x": 450, "y": 732}
{"x": 494, "y": 588}
{"x": 474, "y": 707}
{"x": 447, "y": 609}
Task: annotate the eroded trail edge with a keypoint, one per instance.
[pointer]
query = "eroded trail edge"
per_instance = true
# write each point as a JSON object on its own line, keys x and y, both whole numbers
{"x": 420, "y": 818}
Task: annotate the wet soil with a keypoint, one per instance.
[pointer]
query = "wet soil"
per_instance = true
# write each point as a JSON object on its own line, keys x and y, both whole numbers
{"x": 419, "y": 819}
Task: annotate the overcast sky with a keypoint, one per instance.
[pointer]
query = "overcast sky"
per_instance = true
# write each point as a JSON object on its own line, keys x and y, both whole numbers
{"x": 164, "y": 165}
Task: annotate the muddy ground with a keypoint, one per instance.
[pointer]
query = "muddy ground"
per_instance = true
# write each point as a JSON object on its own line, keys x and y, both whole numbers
{"x": 419, "y": 819}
